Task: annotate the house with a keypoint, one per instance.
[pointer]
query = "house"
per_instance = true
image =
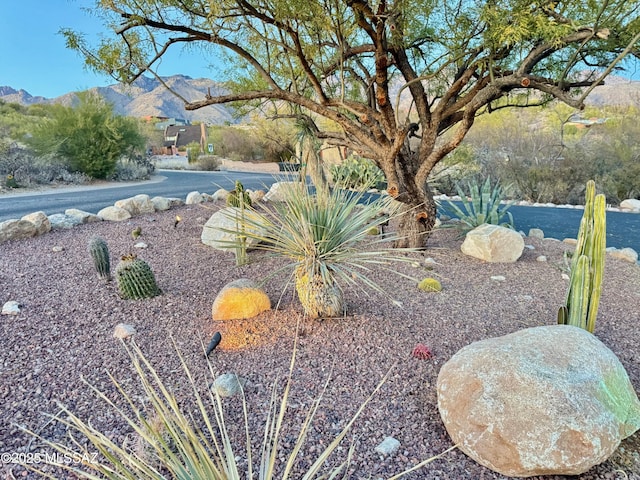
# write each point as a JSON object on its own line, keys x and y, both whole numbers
{"x": 178, "y": 136}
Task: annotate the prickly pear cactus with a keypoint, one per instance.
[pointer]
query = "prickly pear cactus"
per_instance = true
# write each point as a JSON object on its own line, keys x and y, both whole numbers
{"x": 100, "y": 254}
{"x": 135, "y": 279}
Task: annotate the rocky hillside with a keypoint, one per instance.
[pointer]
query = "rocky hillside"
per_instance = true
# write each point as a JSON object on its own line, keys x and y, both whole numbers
{"x": 146, "y": 96}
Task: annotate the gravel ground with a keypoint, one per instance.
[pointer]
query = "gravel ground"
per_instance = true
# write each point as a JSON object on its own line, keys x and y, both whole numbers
{"x": 64, "y": 332}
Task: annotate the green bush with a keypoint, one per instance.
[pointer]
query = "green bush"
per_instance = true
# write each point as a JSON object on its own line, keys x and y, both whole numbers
{"x": 357, "y": 173}
{"x": 208, "y": 163}
{"x": 90, "y": 136}
{"x": 484, "y": 206}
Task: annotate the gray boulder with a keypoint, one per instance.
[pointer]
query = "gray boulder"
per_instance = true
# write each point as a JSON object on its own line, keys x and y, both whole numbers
{"x": 140, "y": 204}
{"x": 60, "y": 220}
{"x": 194, "y": 198}
{"x": 82, "y": 216}
{"x": 228, "y": 385}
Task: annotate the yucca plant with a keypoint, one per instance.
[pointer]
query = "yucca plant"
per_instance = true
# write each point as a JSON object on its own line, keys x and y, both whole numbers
{"x": 323, "y": 237}
{"x": 178, "y": 450}
{"x": 587, "y": 265}
{"x": 483, "y": 206}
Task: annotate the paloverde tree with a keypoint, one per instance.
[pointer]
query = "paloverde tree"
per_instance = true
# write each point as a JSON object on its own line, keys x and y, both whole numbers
{"x": 350, "y": 60}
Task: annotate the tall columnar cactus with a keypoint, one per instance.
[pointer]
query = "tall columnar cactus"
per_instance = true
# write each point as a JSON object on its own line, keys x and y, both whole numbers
{"x": 587, "y": 267}
{"x": 135, "y": 279}
{"x": 100, "y": 254}
{"x": 238, "y": 197}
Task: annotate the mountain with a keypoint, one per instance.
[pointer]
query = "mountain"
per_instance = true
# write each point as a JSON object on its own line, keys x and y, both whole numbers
{"x": 145, "y": 97}
{"x": 148, "y": 97}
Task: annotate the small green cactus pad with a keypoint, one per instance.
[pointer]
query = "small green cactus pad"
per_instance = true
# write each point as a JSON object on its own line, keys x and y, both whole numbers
{"x": 430, "y": 285}
{"x": 99, "y": 252}
{"x": 135, "y": 279}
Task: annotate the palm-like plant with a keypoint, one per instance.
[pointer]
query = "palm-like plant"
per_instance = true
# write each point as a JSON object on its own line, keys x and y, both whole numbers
{"x": 323, "y": 237}
{"x": 484, "y": 206}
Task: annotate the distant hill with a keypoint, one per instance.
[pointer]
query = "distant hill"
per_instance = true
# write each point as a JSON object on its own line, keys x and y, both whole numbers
{"x": 148, "y": 97}
{"x": 145, "y": 97}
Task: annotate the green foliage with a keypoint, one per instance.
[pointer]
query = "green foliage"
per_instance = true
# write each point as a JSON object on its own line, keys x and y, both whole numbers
{"x": 89, "y": 136}
{"x": 323, "y": 239}
{"x": 357, "y": 173}
{"x": 238, "y": 196}
{"x": 193, "y": 151}
{"x": 173, "y": 447}
{"x": 587, "y": 266}
{"x": 484, "y": 206}
{"x": 99, "y": 252}
{"x": 135, "y": 279}
{"x": 240, "y": 199}
{"x": 430, "y": 285}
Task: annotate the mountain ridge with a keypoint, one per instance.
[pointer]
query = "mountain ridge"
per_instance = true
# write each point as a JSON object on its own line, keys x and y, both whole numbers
{"x": 144, "y": 97}
{"x": 148, "y": 97}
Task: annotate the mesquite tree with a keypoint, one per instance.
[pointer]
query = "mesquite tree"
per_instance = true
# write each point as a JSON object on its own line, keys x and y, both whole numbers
{"x": 401, "y": 82}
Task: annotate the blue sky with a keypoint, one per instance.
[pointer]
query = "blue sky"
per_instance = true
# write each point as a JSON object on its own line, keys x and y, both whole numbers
{"x": 33, "y": 56}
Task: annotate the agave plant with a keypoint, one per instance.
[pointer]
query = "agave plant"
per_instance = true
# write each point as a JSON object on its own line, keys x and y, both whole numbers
{"x": 323, "y": 236}
{"x": 176, "y": 449}
{"x": 483, "y": 206}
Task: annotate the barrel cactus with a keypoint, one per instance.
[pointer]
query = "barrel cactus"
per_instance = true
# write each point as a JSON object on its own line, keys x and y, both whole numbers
{"x": 587, "y": 267}
{"x": 430, "y": 285}
{"x": 100, "y": 254}
{"x": 135, "y": 279}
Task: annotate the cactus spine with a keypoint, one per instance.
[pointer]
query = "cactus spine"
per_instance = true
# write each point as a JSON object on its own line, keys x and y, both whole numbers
{"x": 587, "y": 267}
{"x": 100, "y": 254}
{"x": 135, "y": 279}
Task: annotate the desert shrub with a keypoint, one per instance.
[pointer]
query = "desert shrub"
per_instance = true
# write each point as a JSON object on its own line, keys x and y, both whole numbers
{"x": 91, "y": 137}
{"x": 208, "y": 163}
{"x": 357, "y": 173}
{"x": 193, "y": 151}
{"x": 137, "y": 167}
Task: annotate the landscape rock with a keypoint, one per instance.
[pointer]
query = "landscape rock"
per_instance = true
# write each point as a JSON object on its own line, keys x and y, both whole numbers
{"x": 40, "y": 221}
{"x": 256, "y": 196}
{"x": 626, "y": 254}
{"x": 138, "y": 205}
{"x": 114, "y": 214}
{"x": 570, "y": 241}
{"x": 140, "y": 245}
{"x": 60, "y": 220}
{"x": 194, "y": 198}
{"x": 536, "y": 233}
{"x": 550, "y": 400}
{"x": 161, "y": 204}
{"x": 275, "y": 193}
{"x": 493, "y": 243}
{"x": 11, "y": 308}
{"x": 228, "y": 385}
{"x": 541, "y": 258}
{"x": 16, "y": 230}
{"x": 242, "y": 298}
{"x": 214, "y": 234}
{"x": 123, "y": 331}
{"x": 630, "y": 205}
{"x": 220, "y": 195}
{"x": 388, "y": 446}
{"x": 176, "y": 202}
{"x": 82, "y": 216}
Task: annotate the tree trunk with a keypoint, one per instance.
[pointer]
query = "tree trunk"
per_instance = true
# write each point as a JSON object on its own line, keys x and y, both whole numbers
{"x": 416, "y": 223}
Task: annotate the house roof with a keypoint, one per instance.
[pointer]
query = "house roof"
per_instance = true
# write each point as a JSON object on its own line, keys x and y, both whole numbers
{"x": 182, "y": 135}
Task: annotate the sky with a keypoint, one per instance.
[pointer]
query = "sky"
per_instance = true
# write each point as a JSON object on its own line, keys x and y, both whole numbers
{"x": 33, "y": 56}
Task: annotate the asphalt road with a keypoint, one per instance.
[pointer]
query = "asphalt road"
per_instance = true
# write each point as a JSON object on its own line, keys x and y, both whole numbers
{"x": 623, "y": 229}
{"x": 166, "y": 183}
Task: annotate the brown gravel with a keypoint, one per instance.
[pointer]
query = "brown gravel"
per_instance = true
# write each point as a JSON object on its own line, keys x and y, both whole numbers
{"x": 65, "y": 327}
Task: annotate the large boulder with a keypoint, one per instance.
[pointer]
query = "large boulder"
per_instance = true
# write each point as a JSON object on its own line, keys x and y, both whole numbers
{"x": 40, "y": 220}
{"x": 242, "y": 298}
{"x": 137, "y": 205}
{"x": 60, "y": 220}
{"x": 114, "y": 214}
{"x": 278, "y": 190}
{"x": 493, "y": 243}
{"x": 217, "y": 231}
{"x": 630, "y": 205}
{"x": 550, "y": 400}
{"x": 16, "y": 230}
{"x": 194, "y": 198}
{"x": 82, "y": 216}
